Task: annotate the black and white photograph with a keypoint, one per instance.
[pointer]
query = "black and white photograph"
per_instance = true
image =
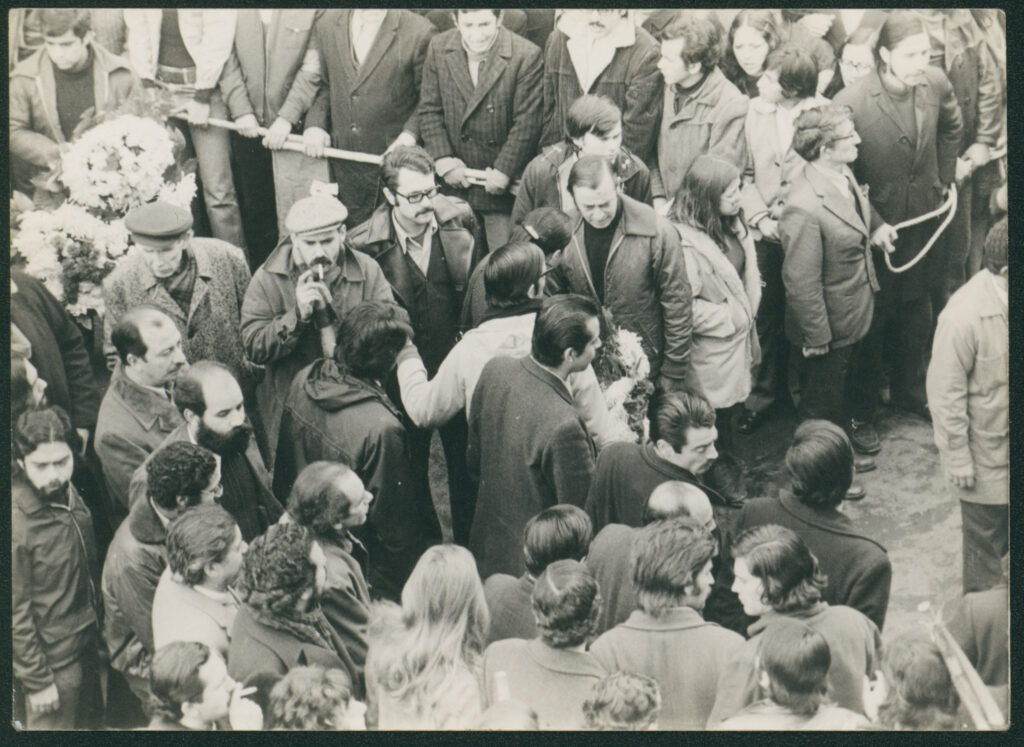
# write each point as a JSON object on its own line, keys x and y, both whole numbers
{"x": 513, "y": 369}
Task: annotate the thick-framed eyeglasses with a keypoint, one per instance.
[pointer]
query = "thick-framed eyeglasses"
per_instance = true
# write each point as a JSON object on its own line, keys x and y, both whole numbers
{"x": 417, "y": 197}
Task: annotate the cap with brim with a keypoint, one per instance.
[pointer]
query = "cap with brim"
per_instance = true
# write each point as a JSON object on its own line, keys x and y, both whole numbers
{"x": 315, "y": 213}
{"x": 158, "y": 223}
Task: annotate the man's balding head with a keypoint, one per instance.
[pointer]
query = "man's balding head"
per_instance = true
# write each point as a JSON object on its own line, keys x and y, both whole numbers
{"x": 676, "y": 499}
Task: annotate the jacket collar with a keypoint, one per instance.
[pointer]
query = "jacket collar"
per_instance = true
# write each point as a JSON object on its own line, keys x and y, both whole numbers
{"x": 922, "y": 96}
{"x": 524, "y": 309}
{"x": 145, "y": 525}
{"x": 829, "y": 519}
{"x": 492, "y": 69}
{"x": 280, "y": 261}
{"x": 539, "y": 372}
{"x": 769, "y": 617}
{"x": 145, "y": 406}
{"x": 987, "y": 302}
{"x": 381, "y": 43}
{"x": 26, "y": 497}
{"x": 838, "y": 204}
{"x": 379, "y": 227}
{"x": 677, "y": 618}
{"x": 562, "y": 661}
{"x": 222, "y": 614}
{"x": 708, "y": 94}
{"x": 204, "y": 267}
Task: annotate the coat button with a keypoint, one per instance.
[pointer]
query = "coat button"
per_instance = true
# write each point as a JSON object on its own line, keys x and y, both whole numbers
{"x": 355, "y": 96}
{"x": 355, "y": 128}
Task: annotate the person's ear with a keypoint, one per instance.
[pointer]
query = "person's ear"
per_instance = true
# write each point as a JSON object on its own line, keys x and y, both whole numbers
{"x": 131, "y": 359}
{"x": 21, "y": 464}
{"x": 762, "y": 677}
{"x": 885, "y": 55}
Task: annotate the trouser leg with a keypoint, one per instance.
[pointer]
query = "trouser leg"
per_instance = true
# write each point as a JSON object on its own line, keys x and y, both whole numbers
{"x": 69, "y": 685}
{"x": 213, "y": 154}
{"x": 985, "y": 541}
{"x": 294, "y": 173}
{"x": 913, "y": 334}
{"x": 497, "y": 227}
{"x": 253, "y": 170}
{"x": 462, "y": 497}
{"x": 770, "y": 375}
{"x": 823, "y": 385}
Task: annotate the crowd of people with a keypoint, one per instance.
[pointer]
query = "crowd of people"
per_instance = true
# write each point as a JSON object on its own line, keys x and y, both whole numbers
{"x": 222, "y": 507}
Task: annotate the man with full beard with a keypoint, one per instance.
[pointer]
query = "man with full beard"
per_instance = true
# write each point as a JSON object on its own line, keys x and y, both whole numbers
{"x": 53, "y": 590}
{"x": 211, "y": 404}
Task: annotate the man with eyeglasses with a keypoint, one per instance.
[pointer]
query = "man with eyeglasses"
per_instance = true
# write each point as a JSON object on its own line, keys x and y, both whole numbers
{"x": 427, "y": 244}
{"x": 298, "y": 297}
{"x": 210, "y": 402}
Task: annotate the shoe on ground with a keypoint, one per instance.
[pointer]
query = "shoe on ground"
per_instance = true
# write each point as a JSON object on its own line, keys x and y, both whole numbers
{"x": 748, "y": 421}
{"x": 856, "y": 493}
{"x": 863, "y": 463}
{"x": 864, "y": 437}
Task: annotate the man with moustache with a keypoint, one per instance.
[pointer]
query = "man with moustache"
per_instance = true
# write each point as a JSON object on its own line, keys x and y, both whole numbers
{"x": 137, "y": 413}
{"x": 211, "y": 404}
{"x": 297, "y": 299}
{"x": 53, "y": 562}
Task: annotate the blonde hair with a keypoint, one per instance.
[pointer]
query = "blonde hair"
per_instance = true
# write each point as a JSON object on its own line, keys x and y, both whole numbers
{"x": 416, "y": 651}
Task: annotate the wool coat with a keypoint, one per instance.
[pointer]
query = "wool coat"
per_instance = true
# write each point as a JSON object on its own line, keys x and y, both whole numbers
{"x": 853, "y": 641}
{"x": 210, "y": 328}
{"x": 54, "y": 599}
{"x": 857, "y": 566}
{"x": 460, "y": 239}
{"x": 58, "y": 350}
{"x": 180, "y": 613}
{"x": 365, "y": 108}
{"x": 906, "y": 172}
{"x": 610, "y": 560}
{"x": 254, "y": 513}
{"x": 510, "y": 602}
{"x": 132, "y": 422}
{"x": 827, "y": 269}
{"x": 545, "y": 180}
{"x": 261, "y": 648}
{"x": 709, "y": 121}
{"x": 631, "y": 80}
{"x": 265, "y": 76}
{"x": 553, "y": 682}
{"x": 274, "y": 335}
{"x": 724, "y": 348}
{"x": 345, "y": 599}
{"x": 645, "y": 284}
{"x": 979, "y": 622}
{"x": 494, "y": 124}
{"x": 682, "y": 652}
{"x": 528, "y": 450}
{"x": 135, "y": 560}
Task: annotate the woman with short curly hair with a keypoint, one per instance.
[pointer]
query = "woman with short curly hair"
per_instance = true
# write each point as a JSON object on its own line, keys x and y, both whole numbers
{"x": 315, "y": 699}
{"x": 553, "y": 673}
{"x": 777, "y": 577}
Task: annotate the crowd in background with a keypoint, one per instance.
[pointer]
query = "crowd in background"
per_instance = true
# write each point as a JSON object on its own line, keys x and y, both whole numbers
{"x": 222, "y": 511}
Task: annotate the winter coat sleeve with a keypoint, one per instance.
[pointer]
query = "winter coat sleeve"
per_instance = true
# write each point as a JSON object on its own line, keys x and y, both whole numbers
{"x": 421, "y": 42}
{"x": 268, "y": 334}
{"x": 25, "y": 143}
{"x": 728, "y": 138}
{"x": 120, "y": 458}
{"x": 953, "y": 352}
{"x": 642, "y": 110}
{"x": 737, "y": 686}
{"x": 712, "y": 317}
{"x": 30, "y": 665}
{"x": 803, "y": 253}
{"x": 232, "y": 88}
{"x": 433, "y": 402}
{"x": 319, "y": 111}
{"x": 568, "y": 463}
{"x": 116, "y": 306}
{"x": 521, "y": 143}
{"x": 348, "y": 616}
{"x": 591, "y": 407}
{"x": 676, "y": 301}
{"x": 950, "y": 129}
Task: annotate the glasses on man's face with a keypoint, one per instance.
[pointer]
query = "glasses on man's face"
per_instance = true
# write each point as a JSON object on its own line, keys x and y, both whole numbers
{"x": 415, "y": 197}
{"x": 842, "y": 138}
{"x": 859, "y": 67}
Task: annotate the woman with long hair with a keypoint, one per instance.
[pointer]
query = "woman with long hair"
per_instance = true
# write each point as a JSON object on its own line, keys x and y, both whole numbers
{"x": 423, "y": 664}
{"x": 777, "y": 577}
{"x": 722, "y": 267}
{"x": 753, "y": 35}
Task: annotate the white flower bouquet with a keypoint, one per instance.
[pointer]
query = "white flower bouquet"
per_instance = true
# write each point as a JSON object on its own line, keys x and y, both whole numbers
{"x": 75, "y": 235}
{"x": 623, "y": 372}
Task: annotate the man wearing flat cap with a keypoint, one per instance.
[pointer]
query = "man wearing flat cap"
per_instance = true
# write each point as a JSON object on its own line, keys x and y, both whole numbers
{"x": 297, "y": 298}
{"x": 198, "y": 282}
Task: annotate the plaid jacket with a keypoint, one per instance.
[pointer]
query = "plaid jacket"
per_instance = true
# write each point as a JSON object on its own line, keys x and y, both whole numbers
{"x": 493, "y": 124}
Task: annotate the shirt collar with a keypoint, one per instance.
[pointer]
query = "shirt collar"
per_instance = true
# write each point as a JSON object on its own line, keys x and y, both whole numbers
{"x": 1001, "y": 293}
{"x": 839, "y": 179}
{"x": 621, "y": 36}
{"x": 403, "y": 236}
{"x": 221, "y": 597}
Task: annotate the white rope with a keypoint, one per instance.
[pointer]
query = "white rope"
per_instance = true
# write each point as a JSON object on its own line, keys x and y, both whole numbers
{"x": 950, "y": 206}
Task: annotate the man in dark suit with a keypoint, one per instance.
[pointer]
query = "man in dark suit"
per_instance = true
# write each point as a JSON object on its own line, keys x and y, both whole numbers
{"x": 820, "y": 467}
{"x": 371, "y": 62}
{"x": 480, "y": 109}
{"x": 528, "y": 449}
{"x": 427, "y": 245}
{"x": 270, "y": 80}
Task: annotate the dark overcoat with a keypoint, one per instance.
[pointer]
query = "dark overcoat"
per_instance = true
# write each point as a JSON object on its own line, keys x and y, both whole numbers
{"x": 528, "y": 450}
{"x": 858, "y": 568}
{"x": 493, "y": 124}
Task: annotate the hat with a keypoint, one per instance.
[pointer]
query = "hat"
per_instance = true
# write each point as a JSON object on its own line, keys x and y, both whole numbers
{"x": 315, "y": 213}
{"x": 158, "y": 222}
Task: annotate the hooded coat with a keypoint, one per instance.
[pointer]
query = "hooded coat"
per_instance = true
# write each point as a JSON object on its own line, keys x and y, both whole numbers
{"x": 334, "y": 416}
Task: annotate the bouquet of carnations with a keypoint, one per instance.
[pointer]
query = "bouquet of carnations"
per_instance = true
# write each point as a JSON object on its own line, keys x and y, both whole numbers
{"x": 623, "y": 372}
{"x": 76, "y": 234}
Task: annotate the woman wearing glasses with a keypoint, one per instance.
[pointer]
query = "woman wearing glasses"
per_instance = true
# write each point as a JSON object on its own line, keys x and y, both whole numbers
{"x": 856, "y": 60}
